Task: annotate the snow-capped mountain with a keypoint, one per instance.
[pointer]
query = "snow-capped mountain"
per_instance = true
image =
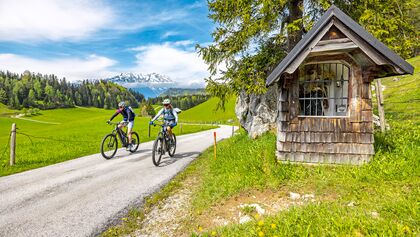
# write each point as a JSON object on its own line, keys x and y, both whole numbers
{"x": 150, "y": 85}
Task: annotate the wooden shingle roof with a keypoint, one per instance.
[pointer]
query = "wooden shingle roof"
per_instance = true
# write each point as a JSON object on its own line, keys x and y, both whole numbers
{"x": 334, "y": 13}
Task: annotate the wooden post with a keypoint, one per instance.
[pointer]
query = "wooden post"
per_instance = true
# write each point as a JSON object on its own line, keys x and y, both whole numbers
{"x": 180, "y": 128}
{"x": 149, "y": 129}
{"x": 233, "y": 129}
{"x": 13, "y": 144}
{"x": 380, "y": 101}
{"x": 215, "y": 145}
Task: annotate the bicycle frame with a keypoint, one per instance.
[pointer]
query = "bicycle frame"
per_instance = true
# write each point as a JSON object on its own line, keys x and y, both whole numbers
{"x": 121, "y": 134}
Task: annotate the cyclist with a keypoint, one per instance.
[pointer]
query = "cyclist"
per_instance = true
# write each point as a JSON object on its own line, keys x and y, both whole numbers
{"x": 128, "y": 115}
{"x": 170, "y": 116}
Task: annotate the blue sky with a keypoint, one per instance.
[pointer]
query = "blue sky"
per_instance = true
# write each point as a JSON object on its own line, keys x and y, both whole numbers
{"x": 98, "y": 38}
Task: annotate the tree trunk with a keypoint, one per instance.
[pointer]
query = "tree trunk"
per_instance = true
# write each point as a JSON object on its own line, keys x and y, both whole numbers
{"x": 258, "y": 113}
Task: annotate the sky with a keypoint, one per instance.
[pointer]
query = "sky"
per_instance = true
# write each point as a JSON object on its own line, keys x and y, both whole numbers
{"x": 91, "y": 39}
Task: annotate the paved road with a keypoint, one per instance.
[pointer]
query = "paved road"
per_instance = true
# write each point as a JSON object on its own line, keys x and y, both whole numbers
{"x": 82, "y": 197}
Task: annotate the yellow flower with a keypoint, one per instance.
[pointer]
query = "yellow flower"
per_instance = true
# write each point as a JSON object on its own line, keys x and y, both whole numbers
{"x": 273, "y": 226}
{"x": 257, "y": 216}
{"x": 406, "y": 229}
{"x": 200, "y": 228}
{"x": 261, "y": 234}
{"x": 260, "y": 223}
{"x": 213, "y": 233}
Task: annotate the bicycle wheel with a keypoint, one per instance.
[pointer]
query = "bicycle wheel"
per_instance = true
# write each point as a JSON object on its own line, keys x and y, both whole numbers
{"x": 172, "y": 146}
{"x": 157, "y": 151}
{"x": 109, "y": 146}
{"x": 135, "y": 142}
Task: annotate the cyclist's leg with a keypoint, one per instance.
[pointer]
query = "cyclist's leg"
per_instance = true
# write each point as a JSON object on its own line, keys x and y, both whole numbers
{"x": 130, "y": 126}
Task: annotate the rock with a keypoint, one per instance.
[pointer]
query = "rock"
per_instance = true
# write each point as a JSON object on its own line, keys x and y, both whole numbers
{"x": 308, "y": 196}
{"x": 351, "y": 204}
{"x": 395, "y": 79}
{"x": 244, "y": 219}
{"x": 375, "y": 214}
{"x": 377, "y": 122}
{"x": 257, "y": 113}
{"x": 257, "y": 207}
{"x": 294, "y": 196}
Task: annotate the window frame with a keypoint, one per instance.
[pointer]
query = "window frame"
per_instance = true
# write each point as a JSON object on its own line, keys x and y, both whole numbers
{"x": 349, "y": 87}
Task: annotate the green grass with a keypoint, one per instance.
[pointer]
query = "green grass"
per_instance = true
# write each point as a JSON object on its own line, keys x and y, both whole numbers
{"x": 207, "y": 112}
{"x": 81, "y": 128}
{"x": 402, "y": 97}
{"x": 389, "y": 184}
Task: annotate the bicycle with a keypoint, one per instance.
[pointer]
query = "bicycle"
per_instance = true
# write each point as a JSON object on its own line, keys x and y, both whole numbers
{"x": 109, "y": 145}
{"x": 163, "y": 144}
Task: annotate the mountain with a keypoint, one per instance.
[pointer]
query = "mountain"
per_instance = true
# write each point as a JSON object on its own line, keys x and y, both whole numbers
{"x": 150, "y": 85}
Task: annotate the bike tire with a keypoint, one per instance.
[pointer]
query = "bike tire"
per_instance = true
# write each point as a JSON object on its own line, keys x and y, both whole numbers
{"x": 172, "y": 149}
{"x": 157, "y": 151}
{"x": 113, "y": 141}
{"x": 135, "y": 141}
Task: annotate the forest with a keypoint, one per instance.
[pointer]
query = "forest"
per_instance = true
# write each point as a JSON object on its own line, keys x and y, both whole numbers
{"x": 28, "y": 90}
{"x": 183, "y": 102}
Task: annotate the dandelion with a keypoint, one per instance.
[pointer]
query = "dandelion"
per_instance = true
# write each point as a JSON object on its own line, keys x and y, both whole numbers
{"x": 213, "y": 233}
{"x": 273, "y": 226}
{"x": 200, "y": 228}
{"x": 257, "y": 216}
{"x": 261, "y": 223}
{"x": 261, "y": 234}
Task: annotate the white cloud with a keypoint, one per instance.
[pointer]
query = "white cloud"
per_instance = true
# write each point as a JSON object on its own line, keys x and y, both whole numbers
{"x": 52, "y": 19}
{"x": 178, "y": 60}
{"x": 169, "y": 34}
{"x": 93, "y": 66}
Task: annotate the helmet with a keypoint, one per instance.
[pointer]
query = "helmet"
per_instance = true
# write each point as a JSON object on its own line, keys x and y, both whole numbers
{"x": 121, "y": 104}
{"x": 166, "y": 101}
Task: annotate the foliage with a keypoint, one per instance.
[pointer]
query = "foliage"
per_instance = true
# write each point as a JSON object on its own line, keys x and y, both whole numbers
{"x": 183, "y": 102}
{"x": 147, "y": 110}
{"x": 49, "y": 92}
{"x": 394, "y": 23}
{"x": 252, "y": 37}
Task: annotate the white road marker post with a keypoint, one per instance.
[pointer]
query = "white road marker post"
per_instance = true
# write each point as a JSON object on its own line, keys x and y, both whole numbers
{"x": 13, "y": 145}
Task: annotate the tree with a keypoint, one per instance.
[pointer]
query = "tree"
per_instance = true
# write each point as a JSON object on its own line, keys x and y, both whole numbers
{"x": 3, "y": 96}
{"x": 252, "y": 37}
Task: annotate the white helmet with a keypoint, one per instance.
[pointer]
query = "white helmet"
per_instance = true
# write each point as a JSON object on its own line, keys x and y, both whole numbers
{"x": 166, "y": 101}
{"x": 121, "y": 104}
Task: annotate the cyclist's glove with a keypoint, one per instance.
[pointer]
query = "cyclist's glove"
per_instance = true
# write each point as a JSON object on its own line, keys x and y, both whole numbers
{"x": 151, "y": 123}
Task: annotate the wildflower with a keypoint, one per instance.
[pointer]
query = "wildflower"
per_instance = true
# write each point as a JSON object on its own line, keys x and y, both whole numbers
{"x": 257, "y": 216}
{"x": 273, "y": 226}
{"x": 261, "y": 234}
{"x": 213, "y": 233}
{"x": 200, "y": 228}
{"x": 261, "y": 223}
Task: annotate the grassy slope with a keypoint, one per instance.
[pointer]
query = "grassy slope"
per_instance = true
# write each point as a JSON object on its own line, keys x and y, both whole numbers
{"x": 206, "y": 112}
{"x": 83, "y": 128}
{"x": 389, "y": 185}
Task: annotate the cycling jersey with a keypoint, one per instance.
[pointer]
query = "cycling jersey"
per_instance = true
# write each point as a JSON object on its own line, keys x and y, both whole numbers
{"x": 126, "y": 112}
{"x": 168, "y": 115}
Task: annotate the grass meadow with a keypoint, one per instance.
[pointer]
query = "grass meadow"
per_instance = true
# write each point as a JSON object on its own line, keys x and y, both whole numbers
{"x": 71, "y": 133}
{"x": 207, "y": 112}
{"x": 380, "y": 198}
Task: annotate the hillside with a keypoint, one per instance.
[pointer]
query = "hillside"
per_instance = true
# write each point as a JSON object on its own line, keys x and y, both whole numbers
{"x": 376, "y": 199}
{"x": 207, "y": 112}
{"x": 183, "y": 91}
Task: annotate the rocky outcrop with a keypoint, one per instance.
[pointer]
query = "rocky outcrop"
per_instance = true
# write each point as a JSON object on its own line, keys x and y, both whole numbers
{"x": 257, "y": 113}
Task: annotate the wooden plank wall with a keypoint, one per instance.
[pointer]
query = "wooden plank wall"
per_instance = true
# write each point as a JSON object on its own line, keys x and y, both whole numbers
{"x": 326, "y": 140}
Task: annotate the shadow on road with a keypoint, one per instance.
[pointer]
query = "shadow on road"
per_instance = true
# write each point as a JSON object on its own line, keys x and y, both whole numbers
{"x": 170, "y": 160}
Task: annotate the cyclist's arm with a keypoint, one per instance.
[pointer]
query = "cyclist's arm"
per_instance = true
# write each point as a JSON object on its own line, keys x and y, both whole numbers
{"x": 128, "y": 111}
{"x": 116, "y": 113}
{"x": 157, "y": 115}
{"x": 175, "y": 115}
